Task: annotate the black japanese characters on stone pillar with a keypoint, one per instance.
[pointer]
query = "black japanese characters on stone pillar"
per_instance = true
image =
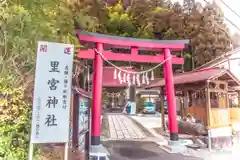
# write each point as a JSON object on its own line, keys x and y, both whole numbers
{"x": 54, "y": 66}
{"x": 52, "y": 101}
{"x": 65, "y": 82}
{"x": 50, "y": 120}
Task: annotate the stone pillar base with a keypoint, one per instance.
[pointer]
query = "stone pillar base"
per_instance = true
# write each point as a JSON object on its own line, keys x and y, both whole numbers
{"x": 98, "y": 152}
{"x": 174, "y": 147}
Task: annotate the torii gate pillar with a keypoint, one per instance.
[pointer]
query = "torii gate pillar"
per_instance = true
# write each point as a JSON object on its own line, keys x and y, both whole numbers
{"x": 97, "y": 96}
{"x": 171, "y": 100}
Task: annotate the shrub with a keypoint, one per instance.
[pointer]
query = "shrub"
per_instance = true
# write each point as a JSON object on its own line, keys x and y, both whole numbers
{"x": 14, "y": 122}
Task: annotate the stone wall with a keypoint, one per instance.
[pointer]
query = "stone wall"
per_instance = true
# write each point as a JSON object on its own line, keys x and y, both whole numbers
{"x": 225, "y": 142}
{"x": 221, "y": 142}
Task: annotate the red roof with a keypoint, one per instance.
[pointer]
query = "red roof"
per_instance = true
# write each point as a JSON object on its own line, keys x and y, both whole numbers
{"x": 194, "y": 76}
{"x": 108, "y": 77}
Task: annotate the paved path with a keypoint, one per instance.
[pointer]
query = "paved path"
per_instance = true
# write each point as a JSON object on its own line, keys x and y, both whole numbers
{"x": 121, "y": 127}
{"x": 134, "y": 150}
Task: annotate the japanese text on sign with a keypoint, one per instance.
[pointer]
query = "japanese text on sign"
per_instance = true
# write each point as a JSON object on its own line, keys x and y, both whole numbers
{"x": 51, "y": 103}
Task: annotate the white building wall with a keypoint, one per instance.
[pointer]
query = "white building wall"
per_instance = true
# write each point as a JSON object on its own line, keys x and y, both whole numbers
{"x": 235, "y": 65}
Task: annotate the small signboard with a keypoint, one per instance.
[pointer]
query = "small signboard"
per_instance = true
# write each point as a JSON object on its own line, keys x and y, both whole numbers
{"x": 52, "y": 93}
{"x": 83, "y": 121}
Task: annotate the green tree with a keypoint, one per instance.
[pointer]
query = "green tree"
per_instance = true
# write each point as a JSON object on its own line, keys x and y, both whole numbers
{"x": 119, "y": 22}
{"x": 22, "y": 24}
{"x": 89, "y": 14}
{"x": 211, "y": 38}
{"x": 204, "y": 27}
{"x": 139, "y": 10}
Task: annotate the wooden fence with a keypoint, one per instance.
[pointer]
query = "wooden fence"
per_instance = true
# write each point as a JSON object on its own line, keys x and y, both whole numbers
{"x": 234, "y": 114}
{"x": 199, "y": 112}
{"x": 219, "y": 117}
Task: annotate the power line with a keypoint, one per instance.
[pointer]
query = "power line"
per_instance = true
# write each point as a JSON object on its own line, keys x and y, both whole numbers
{"x": 238, "y": 28}
{"x": 232, "y": 24}
{"x": 230, "y": 9}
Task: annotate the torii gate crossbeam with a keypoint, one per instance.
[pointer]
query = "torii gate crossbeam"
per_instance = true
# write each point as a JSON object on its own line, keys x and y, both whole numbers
{"x": 133, "y": 57}
{"x": 99, "y": 41}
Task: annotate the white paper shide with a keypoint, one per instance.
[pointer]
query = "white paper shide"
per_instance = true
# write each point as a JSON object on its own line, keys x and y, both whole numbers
{"x": 52, "y": 93}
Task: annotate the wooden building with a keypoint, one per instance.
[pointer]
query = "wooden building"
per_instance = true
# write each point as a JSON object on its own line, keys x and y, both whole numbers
{"x": 205, "y": 95}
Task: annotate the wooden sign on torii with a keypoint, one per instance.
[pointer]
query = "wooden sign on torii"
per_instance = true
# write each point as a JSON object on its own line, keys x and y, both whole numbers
{"x": 99, "y": 41}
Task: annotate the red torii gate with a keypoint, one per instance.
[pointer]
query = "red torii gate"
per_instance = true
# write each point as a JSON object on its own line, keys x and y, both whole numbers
{"x": 99, "y": 41}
